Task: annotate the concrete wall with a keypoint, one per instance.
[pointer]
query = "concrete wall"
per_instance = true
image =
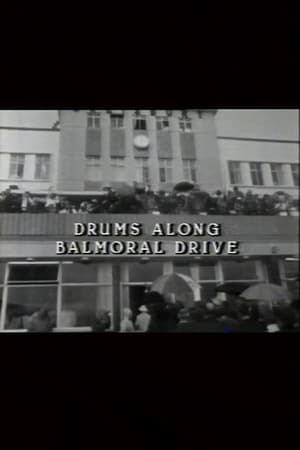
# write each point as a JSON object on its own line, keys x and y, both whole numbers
{"x": 203, "y": 143}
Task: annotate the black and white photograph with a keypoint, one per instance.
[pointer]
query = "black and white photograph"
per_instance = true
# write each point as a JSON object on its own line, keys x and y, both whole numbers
{"x": 149, "y": 221}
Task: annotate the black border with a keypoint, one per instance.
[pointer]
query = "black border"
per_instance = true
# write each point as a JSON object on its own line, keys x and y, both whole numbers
{"x": 192, "y": 390}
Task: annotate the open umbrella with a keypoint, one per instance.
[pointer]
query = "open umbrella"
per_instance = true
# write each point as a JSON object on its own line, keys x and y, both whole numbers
{"x": 270, "y": 293}
{"x": 233, "y": 287}
{"x": 184, "y": 186}
{"x": 185, "y": 289}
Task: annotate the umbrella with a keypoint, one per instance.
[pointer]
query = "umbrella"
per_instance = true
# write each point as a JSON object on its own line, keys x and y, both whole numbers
{"x": 184, "y": 186}
{"x": 267, "y": 292}
{"x": 183, "y": 287}
{"x": 234, "y": 287}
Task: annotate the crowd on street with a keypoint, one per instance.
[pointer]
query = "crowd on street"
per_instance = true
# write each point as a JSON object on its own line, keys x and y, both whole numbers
{"x": 146, "y": 201}
{"x": 158, "y": 315}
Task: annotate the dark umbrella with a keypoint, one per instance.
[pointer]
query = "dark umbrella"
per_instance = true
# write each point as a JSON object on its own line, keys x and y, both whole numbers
{"x": 233, "y": 287}
{"x": 184, "y": 186}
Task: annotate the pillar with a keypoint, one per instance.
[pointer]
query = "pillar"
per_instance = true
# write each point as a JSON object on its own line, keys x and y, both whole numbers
{"x": 246, "y": 175}
{"x": 71, "y": 155}
{"x": 209, "y": 170}
{"x": 130, "y": 159}
{"x": 178, "y": 174}
{"x": 105, "y": 147}
{"x": 153, "y": 154}
{"x": 104, "y": 294}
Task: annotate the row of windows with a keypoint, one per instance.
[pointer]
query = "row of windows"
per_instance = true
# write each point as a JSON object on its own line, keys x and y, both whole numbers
{"x": 256, "y": 173}
{"x": 118, "y": 168}
{"x": 139, "y": 122}
{"x": 41, "y": 166}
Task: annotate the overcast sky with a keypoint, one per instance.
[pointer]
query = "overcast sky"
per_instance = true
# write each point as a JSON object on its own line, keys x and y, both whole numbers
{"x": 259, "y": 123}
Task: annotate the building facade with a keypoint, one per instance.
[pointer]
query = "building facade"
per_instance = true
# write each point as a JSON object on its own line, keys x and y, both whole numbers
{"x": 95, "y": 149}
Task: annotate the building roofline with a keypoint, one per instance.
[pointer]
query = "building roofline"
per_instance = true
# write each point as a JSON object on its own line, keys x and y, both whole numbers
{"x": 282, "y": 141}
{"x": 28, "y": 129}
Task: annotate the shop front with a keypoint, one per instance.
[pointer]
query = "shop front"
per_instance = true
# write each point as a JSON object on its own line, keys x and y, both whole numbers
{"x": 74, "y": 287}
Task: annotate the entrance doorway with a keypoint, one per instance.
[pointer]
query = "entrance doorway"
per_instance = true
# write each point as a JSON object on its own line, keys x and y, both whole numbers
{"x": 136, "y": 298}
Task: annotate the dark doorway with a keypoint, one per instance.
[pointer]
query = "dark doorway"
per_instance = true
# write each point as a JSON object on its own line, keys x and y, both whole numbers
{"x": 137, "y": 294}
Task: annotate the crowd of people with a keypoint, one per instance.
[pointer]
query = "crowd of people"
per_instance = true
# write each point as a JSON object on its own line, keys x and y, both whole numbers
{"x": 144, "y": 201}
{"x": 159, "y": 315}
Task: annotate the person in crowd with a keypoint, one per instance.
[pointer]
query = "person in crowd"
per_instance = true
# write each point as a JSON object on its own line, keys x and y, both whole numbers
{"x": 102, "y": 321}
{"x": 126, "y": 323}
{"x": 197, "y": 320}
{"x": 143, "y": 319}
{"x": 40, "y": 322}
{"x": 234, "y": 202}
{"x": 158, "y": 310}
{"x": 221, "y": 204}
{"x": 13, "y": 321}
{"x": 250, "y": 203}
{"x": 28, "y": 203}
{"x": 52, "y": 202}
{"x": 83, "y": 208}
{"x": 237, "y": 193}
{"x": 286, "y": 318}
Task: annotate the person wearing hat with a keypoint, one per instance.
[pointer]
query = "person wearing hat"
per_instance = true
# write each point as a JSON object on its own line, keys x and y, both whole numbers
{"x": 126, "y": 325}
{"x": 143, "y": 319}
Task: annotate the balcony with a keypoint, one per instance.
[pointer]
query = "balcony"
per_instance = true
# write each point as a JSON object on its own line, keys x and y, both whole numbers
{"x": 52, "y": 226}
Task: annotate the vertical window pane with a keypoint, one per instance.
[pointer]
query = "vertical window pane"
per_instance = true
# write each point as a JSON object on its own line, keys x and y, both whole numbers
{"x": 80, "y": 304}
{"x": 256, "y": 174}
{"x": 42, "y": 166}
{"x": 23, "y": 302}
{"x": 291, "y": 268}
{"x": 184, "y": 268}
{"x": 235, "y": 172}
{"x": 79, "y": 273}
{"x": 16, "y": 168}
{"x": 233, "y": 270}
{"x": 208, "y": 291}
{"x": 162, "y": 174}
{"x": 145, "y": 272}
{"x": 295, "y": 174}
{"x": 2, "y": 272}
{"x": 207, "y": 272}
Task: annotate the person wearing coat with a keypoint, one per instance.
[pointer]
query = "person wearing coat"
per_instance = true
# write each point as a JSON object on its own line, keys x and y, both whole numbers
{"x": 126, "y": 323}
{"x": 40, "y": 322}
{"x": 143, "y": 319}
{"x": 102, "y": 322}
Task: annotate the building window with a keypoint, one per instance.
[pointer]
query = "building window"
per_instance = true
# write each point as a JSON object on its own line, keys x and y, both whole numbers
{"x": 185, "y": 125}
{"x": 189, "y": 169}
{"x": 165, "y": 170}
{"x": 117, "y": 121}
{"x": 277, "y": 177}
{"x": 235, "y": 172}
{"x": 93, "y": 169}
{"x": 289, "y": 271}
{"x": 240, "y": 271}
{"x": 256, "y": 174}
{"x": 142, "y": 171}
{"x": 42, "y": 167}
{"x": 93, "y": 119}
{"x": 16, "y": 165}
{"x": 140, "y": 123}
{"x": 118, "y": 169}
{"x": 70, "y": 293}
{"x": 162, "y": 123}
{"x": 295, "y": 174}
